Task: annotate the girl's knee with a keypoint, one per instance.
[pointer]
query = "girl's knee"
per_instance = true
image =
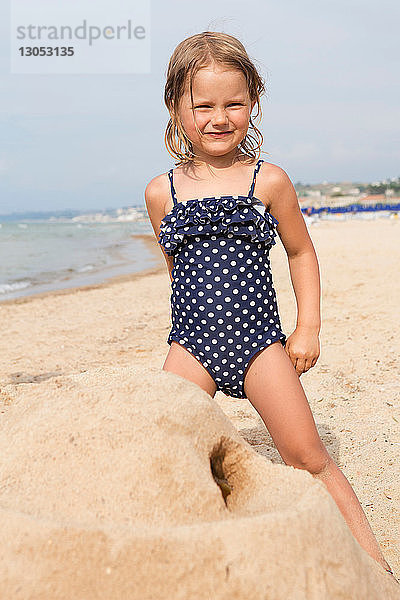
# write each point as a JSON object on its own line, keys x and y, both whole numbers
{"x": 315, "y": 461}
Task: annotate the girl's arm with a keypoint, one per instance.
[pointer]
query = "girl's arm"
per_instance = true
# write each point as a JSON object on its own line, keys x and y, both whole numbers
{"x": 303, "y": 344}
{"x": 156, "y": 194}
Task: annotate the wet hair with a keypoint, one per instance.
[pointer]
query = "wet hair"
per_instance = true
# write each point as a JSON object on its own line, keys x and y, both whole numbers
{"x": 196, "y": 52}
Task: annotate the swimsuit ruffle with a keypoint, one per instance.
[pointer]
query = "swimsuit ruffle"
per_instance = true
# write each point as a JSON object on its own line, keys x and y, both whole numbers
{"x": 224, "y": 215}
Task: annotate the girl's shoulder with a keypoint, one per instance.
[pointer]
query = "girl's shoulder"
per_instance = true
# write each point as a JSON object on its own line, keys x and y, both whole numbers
{"x": 159, "y": 183}
{"x": 268, "y": 169}
{"x": 157, "y": 193}
{"x": 272, "y": 181}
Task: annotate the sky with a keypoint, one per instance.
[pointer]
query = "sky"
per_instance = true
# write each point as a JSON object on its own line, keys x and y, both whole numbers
{"x": 331, "y": 110}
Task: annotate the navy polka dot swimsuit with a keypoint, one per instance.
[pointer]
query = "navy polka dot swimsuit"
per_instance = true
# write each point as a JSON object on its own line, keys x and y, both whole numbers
{"x": 223, "y": 303}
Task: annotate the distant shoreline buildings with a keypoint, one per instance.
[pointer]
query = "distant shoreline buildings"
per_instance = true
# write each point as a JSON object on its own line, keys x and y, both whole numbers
{"x": 346, "y": 193}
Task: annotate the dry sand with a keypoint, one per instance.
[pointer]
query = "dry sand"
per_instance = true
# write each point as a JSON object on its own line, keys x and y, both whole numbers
{"x": 106, "y": 489}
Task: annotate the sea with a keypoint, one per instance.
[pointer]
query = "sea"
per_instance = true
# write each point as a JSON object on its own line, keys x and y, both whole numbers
{"x": 45, "y": 252}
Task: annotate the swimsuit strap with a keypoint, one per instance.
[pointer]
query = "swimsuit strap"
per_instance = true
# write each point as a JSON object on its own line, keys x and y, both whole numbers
{"x": 171, "y": 180}
{"x": 257, "y": 168}
{"x": 250, "y": 194}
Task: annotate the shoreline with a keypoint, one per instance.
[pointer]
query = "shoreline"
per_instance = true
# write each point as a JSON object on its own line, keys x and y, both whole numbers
{"x": 147, "y": 238}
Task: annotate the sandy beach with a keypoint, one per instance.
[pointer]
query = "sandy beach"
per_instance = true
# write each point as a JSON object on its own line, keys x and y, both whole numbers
{"x": 61, "y": 346}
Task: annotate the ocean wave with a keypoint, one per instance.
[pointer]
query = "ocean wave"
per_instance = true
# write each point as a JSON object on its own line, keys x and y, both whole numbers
{"x": 85, "y": 269}
{"x": 6, "y": 288}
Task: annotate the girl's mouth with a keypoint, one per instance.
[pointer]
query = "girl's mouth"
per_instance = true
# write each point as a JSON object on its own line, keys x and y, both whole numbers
{"x": 220, "y": 134}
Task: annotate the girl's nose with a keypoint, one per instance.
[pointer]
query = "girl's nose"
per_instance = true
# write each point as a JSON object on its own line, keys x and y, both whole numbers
{"x": 219, "y": 117}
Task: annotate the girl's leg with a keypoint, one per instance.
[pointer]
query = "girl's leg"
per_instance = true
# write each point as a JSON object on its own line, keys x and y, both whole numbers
{"x": 273, "y": 387}
{"x": 182, "y": 362}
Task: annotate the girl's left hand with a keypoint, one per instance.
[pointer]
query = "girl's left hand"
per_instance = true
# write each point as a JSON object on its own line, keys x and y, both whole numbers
{"x": 303, "y": 349}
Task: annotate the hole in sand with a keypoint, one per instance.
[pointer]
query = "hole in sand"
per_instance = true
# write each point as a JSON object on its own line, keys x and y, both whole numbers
{"x": 217, "y": 457}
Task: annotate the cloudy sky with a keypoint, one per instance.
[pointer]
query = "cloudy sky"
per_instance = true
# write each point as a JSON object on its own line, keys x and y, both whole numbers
{"x": 331, "y": 112}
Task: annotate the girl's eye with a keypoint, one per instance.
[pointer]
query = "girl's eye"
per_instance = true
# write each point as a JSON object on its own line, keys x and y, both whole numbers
{"x": 208, "y": 106}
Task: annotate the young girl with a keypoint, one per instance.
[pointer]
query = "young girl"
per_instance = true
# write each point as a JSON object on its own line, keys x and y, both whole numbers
{"x": 215, "y": 218}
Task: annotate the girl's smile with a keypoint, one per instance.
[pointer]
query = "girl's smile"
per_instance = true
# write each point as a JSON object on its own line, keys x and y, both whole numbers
{"x": 219, "y": 135}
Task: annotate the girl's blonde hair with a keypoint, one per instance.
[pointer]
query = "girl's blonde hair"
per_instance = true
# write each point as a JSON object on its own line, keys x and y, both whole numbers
{"x": 202, "y": 50}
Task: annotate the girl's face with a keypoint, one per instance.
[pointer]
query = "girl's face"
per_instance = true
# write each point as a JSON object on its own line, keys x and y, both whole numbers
{"x": 221, "y": 107}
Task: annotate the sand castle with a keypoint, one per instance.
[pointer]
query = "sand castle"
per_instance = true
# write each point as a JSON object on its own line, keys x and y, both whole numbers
{"x": 131, "y": 483}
